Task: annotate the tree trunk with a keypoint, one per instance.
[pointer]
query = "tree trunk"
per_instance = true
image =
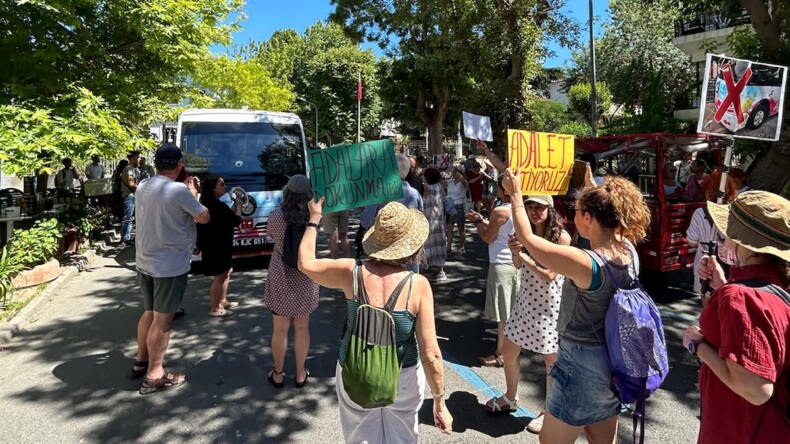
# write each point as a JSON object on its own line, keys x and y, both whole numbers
{"x": 435, "y": 136}
{"x": 433, "y": 117}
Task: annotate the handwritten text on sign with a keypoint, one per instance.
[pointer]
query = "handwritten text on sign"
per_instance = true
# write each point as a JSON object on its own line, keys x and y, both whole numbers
{"x": 351, "y": 176}
{"x": 543, "y": 161}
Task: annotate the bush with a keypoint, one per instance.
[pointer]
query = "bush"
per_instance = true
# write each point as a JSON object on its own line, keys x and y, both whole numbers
{"x": 8, "y": 269}
{"x": 36, "y": 245}
{"x": 82, "y": 216}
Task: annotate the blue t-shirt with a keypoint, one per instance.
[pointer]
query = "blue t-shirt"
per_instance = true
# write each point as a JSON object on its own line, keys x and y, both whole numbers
{"x": 411, "y": 199}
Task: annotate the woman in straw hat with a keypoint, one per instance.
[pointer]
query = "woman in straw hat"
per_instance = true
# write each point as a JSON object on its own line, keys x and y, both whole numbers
{"x": 613, "y": 216}
{"x": 743, "y": 340}
{"x": 393, "y": 242}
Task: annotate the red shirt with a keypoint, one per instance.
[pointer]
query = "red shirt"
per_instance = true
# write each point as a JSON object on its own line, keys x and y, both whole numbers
{"x": 751, "y": 328}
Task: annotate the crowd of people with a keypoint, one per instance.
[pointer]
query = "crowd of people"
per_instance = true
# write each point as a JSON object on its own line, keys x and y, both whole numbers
{"x": 547, "y": 293}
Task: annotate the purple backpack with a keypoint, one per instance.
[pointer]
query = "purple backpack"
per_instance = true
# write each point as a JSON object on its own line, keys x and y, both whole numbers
{"x": 635, "y": 346}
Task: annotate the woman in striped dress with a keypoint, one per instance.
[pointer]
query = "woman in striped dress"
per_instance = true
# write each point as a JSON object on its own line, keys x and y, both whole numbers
{"x": 433, "y": 208}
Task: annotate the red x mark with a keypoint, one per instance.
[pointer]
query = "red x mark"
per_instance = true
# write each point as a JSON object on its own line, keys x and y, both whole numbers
{"x": 733, "y": 93}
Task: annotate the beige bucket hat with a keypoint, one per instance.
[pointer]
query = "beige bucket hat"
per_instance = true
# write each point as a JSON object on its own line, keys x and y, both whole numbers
{"x": 757, "y": 220}
{"x": 543, "y": 200}
{"x": 397, "y": 233}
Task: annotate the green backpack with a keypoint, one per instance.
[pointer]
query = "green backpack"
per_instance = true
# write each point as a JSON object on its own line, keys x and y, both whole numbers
{"x": 371, "y": 370}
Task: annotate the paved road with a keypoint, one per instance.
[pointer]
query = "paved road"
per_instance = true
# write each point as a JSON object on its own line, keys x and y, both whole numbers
{"x": 64, "y": 378}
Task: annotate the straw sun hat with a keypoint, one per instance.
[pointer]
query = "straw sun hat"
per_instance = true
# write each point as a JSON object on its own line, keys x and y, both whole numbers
{"x": 757, "y": 220}
{"x": 397, "y": 233}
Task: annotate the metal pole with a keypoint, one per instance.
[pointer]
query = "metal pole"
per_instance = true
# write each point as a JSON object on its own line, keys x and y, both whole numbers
{"x": 593, "y": 98}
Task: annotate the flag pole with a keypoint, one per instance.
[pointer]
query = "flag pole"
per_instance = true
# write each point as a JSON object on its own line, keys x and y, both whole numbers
{"x": 359, "y": 108}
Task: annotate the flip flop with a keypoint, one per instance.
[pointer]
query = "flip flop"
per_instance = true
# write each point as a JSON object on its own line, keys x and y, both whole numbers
{"x": 233, "y": 304}
{"x": 179, "y": 313}
{"x": 274, "y": 383}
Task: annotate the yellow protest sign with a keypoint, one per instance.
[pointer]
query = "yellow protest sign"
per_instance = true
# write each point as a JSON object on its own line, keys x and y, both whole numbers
{"x": 543, "y": 161}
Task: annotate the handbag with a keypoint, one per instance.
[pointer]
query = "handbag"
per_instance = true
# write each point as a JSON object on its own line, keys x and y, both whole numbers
{"x": 449, "y": 205}
{"x": 468, "y": 204}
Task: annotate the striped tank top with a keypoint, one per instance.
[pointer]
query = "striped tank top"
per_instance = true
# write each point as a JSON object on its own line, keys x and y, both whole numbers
{"x": 406, "y": 342}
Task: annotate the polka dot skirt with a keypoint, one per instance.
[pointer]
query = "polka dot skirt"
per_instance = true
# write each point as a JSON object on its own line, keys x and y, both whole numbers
{"x": 533, "y": 320}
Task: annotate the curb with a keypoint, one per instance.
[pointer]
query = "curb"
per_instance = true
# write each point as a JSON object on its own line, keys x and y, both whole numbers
{"x": 16, "y": 324}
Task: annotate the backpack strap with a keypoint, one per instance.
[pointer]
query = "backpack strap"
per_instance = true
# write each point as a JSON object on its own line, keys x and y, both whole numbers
{"x": 393, "y": 299}
{"x": 358, "y": 286}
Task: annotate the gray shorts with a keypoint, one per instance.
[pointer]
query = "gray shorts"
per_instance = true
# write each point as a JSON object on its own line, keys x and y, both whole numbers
{"x": 336, "y": 222}
{"x": 163, "y": 295}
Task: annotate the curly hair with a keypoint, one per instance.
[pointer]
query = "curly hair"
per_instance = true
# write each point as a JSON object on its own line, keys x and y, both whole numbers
{"x": 294, "y": 206}
{"x": 553, "y": 226}
{"x": 619, "y": 206}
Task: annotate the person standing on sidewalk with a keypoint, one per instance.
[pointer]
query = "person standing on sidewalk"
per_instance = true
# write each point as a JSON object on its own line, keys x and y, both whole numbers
{"x": 130, "y": 177}
{"x": 166, "y": 214}
{"x": 336, "y": 227}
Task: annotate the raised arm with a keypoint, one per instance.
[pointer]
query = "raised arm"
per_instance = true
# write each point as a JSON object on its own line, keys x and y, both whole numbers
{"x": 329, "y": 273}
{"x": 568, "y": 261}
{"x": 496, "y": 161}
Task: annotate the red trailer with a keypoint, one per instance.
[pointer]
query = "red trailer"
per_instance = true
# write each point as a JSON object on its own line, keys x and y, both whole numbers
{"x": 640, "y": 158}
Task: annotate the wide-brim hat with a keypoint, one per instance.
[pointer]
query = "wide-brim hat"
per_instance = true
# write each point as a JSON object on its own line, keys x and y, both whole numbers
{"x": 757, "y": 220}
{"x": 397, "y": 233}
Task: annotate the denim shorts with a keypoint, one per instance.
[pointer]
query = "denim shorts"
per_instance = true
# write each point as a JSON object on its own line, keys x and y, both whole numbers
{"x": 580, "y": 380}
{"x": 457, "y": 218}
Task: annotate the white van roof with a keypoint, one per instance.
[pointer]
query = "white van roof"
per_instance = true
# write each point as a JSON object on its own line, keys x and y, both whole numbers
{"x": 237, "y": 115}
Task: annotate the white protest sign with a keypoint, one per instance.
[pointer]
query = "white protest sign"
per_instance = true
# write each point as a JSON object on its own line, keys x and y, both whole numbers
{"x": 478, "y": 127}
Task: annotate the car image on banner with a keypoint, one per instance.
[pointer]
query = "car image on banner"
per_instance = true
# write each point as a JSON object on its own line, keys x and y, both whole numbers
{"x": 742, "y": 98}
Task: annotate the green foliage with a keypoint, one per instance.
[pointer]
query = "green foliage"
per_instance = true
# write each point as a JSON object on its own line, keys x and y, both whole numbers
{"x": 78, "y": 124}
{"x": 34, "y": 246}
{"x": 84, "y": 217}
{"x": 224, "y": 82}
{"x": 84, "y": 77}
{"x": 576, "y": 128}
{"x": 580, "y": 100}
{"x": 743, "y": 42}
{"x": 547, "y": 115}
{"x": 8, "y": 269}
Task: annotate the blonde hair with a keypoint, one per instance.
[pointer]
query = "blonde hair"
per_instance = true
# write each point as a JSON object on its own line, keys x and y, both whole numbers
{"x": 618, "y": 205}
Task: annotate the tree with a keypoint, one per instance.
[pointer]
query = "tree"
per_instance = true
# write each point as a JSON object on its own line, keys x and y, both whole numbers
{"x": 224, "y": 82}
{"x": 450, "y": 54}
{"x": 132, "y": 56}
{"x": 547, "y": 115}
{"x": 580, "y": 98}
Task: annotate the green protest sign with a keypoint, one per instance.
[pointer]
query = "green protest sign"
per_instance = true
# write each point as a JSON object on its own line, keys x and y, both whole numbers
{"x": 352, "y": 176}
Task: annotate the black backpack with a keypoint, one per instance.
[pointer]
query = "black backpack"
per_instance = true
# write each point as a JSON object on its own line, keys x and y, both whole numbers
{"x": 293, "y": 237}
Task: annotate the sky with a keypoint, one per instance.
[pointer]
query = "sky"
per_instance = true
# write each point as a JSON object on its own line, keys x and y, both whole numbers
{"x": 266, "y": 16}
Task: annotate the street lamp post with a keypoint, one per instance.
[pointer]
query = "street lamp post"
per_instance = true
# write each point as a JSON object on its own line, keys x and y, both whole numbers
{"x": 302, "y": 99}
{"x": 593, "y": 98}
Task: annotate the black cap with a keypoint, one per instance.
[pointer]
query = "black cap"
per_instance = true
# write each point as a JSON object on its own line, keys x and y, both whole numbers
{"x": 167, "y": 156}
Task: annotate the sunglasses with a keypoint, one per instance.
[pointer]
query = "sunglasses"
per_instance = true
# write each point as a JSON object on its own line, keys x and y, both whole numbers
{"x": 536, "y": 207}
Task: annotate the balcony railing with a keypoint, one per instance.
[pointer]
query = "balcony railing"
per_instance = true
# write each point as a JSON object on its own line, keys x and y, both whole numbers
{"x": 709, "y": 21}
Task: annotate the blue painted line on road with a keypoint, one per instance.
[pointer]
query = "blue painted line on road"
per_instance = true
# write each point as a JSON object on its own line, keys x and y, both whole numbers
{"x": 481, "y": 384}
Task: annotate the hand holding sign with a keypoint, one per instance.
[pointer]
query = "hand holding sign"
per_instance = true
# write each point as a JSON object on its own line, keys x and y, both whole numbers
{"x": 511, "y": 184}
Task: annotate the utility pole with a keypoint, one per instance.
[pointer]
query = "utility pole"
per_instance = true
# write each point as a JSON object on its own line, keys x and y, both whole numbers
{"x": 593, "y": 98}
{"x": 302, "y": 99}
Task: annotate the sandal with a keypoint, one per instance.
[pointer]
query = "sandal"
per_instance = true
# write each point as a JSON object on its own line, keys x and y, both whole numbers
{"x": 168, "y": 381}
{"x": 298, "y": 384}
{"x": 141, "y": 372}
{"x": 492, "y": 361}
{"x": 495, "y": 408}
{"x": 233, "y": 304}
{"x": 220, "y": 314}
{"x": 536, "y": 424}
{"x": 274, "y": 383}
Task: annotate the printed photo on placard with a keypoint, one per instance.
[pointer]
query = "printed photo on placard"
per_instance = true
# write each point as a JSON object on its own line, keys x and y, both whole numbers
{"x": 742, "y": 98}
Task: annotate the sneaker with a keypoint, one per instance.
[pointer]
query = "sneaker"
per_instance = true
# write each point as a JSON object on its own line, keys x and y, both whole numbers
{"x": 439, "y": 277}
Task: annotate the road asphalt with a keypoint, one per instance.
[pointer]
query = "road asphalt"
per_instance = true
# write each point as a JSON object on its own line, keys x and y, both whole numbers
{"x": 64, "y": 378}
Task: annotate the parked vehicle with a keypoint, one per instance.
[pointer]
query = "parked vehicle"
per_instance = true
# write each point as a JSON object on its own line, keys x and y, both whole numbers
{"x": 255, "y": 150}
{"x": 759, "y": 98}
{"x": 640, "y": 158}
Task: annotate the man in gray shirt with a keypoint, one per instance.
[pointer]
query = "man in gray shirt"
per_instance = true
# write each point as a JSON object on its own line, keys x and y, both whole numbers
{"x": 166, "y": 214}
